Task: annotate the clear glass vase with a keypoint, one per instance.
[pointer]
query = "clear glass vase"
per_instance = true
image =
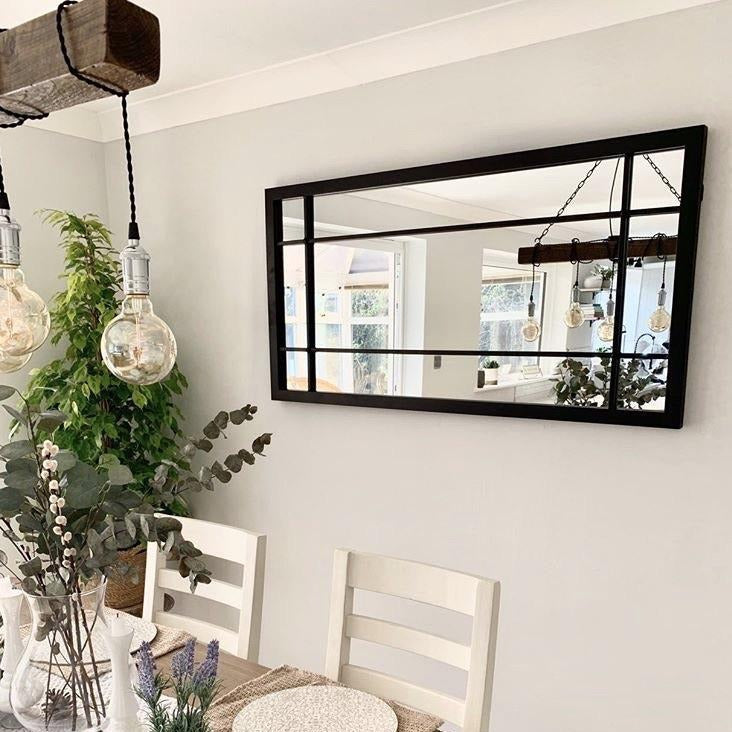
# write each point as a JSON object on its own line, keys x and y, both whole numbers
{"x": 62, "y": 679}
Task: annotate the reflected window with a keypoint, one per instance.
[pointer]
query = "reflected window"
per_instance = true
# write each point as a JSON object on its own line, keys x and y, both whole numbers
{"x": 504, "y": 296}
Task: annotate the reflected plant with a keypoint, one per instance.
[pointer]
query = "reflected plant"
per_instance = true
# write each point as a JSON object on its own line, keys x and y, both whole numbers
{"x": 578, "y": 385}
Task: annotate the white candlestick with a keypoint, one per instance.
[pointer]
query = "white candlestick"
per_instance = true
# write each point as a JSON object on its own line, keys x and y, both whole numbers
{"x": 10, "y": 602}
{"x": 123, "y": 703}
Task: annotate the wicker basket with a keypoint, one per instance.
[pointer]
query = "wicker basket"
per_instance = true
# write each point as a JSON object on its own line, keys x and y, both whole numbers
{"x": 123, "y": 593}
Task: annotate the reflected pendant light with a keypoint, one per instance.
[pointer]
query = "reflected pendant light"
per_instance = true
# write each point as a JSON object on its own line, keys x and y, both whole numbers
{"x": 574, "y": 317}
{"x": 606, "y": 329}
{"x": 137, "y": 346}
{"x": 660, "y": 319}
{"x": 531, "y": 330}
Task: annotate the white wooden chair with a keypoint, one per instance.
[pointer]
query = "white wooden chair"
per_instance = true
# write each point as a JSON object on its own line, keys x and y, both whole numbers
{"x": 224, "y": 542}
{"x": 463, "y": 593}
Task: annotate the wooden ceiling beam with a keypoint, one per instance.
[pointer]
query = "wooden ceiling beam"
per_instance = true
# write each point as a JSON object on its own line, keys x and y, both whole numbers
{"x": 596, "y": 250}
{"x": 113, "y": 41}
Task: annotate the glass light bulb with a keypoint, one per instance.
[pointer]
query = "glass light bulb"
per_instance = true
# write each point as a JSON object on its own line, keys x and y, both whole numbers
{"x": 137, "y": 346}
{"x": 606, "y": 329}
{"x": 574, "y": 317}
{"x": 24, "y": 319}
{"x": 531, "y": 329}
{"x": 9, "y": 364}
{"x": 660, "y": 320}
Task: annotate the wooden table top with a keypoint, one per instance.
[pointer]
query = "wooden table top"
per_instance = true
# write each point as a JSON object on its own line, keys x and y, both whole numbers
{"x": 232, "y": 670}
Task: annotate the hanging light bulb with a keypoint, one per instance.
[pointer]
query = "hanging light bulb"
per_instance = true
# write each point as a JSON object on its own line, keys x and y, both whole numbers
{"x": 531, "y": 329}
{"x": 660, "y": 319}
{"x": 137, "y": 346}
{"x": 24, "y": 318}
{"x": 574, "y": 317}
{"x": 606, "y": 329}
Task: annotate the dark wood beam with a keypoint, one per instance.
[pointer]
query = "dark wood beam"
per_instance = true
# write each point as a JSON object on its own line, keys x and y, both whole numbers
{"x": 596, "y": 250}
{"x": 114, "y": 41}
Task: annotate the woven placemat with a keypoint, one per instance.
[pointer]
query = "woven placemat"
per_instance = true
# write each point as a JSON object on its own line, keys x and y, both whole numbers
{"x": 224, "y": 710}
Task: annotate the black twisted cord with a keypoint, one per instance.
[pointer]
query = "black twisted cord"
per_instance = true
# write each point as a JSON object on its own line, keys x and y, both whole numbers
{"x": 134, "y": 232}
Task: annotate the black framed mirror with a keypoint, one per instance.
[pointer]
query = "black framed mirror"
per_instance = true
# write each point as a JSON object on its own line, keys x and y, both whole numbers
{"x": 553, "y": 283}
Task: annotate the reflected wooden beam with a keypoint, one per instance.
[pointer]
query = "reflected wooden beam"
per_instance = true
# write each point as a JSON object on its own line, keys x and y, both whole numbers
{"x": 113, "y": 41}
{"x": 596, "y": 250}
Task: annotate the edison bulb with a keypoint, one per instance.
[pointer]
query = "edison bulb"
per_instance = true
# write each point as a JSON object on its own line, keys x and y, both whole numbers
{"x": 24, "y": 318}
{"x": 531, "y": 329}
{"x": 660, "y": 319}
{"x": 574, "y": 317}
{"x": 137, "y": 346}
{"x": 9, "y": 364}
{"x": 606, "y": 329}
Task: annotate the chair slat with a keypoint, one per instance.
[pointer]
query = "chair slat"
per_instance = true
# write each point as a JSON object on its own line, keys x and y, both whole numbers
{"x": 217, "y": 590}
{"x": 413, "y": 581}
{"x": 404, "y": 638}
{"x": 204, "y": 632}
{"x": 446, "y": 707}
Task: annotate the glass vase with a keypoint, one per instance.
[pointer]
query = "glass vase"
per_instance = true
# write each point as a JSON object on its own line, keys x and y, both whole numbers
{"x": 62, "y": 679}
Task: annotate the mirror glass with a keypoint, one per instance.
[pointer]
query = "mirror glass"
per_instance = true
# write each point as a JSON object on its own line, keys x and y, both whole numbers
{"x": 473, "y": 288}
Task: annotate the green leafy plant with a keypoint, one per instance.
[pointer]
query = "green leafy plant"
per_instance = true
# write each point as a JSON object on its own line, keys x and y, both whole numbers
{"x": 489, "y": 363}
{"x": 578, "y": 385}
{"x": 175, "y": 478}
{"x": 105, "y": 416}
{"x": 605, "y": 272}
{"x": 69, "y": 521}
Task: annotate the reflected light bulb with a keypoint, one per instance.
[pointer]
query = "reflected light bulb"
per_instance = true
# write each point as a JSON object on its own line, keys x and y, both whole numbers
{"x": 660, "y": 319}
{"x": 531, "y": 329}
{"x": 137, "y": 346}
{"x": 574, "y": 317}
{"x": 24, "y": 318}
{"x": 606, "y": 329}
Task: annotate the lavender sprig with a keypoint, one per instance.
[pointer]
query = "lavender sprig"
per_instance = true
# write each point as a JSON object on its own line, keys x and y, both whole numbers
{"x": 147, "y": 687}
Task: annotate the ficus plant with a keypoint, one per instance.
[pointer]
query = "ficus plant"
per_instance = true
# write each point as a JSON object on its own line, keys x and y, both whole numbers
{"x": 104, "y": 416}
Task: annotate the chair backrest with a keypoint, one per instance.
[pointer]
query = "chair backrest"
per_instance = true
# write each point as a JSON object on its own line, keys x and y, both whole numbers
{"x": 463, "y": 593}
{"x": 224, "y": 542}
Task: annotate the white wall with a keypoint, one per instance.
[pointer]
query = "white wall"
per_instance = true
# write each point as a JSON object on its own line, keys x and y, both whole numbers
{"x": 47, "y": 170}
{"x": 612, "y": 543}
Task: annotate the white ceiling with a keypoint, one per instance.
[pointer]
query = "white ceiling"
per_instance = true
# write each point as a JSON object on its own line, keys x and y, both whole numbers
{"x": 229, "y": 56}
{"x": 204, "y": 42}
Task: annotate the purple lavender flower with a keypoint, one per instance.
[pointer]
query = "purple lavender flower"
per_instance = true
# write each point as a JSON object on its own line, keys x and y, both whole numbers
{"x": 208, "y": 669}
{"x": 182, "y": 663}
{"x": 146, "y": 672}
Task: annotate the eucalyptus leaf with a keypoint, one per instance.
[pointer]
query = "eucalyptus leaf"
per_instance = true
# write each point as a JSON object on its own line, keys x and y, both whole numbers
{"x": 32, "y": 567}
{"x": 120, "y": 475}
{"x": 17, "y": 449}
{"x": 6, "y": 392}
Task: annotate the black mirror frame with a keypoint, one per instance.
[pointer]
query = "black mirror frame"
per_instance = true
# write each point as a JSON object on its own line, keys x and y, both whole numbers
{"x": 691, "y": 139}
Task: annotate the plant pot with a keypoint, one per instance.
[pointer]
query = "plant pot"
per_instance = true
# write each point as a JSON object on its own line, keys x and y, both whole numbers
{"x": 593, "y": 282}
{"x": 57, "y": 684}
{"x": 491, "y": 377}
{"x": 122, "y": 592}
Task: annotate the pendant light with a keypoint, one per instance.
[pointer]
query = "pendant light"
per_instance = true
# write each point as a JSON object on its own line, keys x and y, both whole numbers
{"x": 660, "y": 319}
{"x": 137, "y": 346}
{"x": 24, "y": 318}
{"x": 606, "y": 329}
{"x": 531, "y": 329}
{"x": 574, "y": 316}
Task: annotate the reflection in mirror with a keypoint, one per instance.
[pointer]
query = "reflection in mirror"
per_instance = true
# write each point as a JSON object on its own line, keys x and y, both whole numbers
{"x": 499, "y": 286}
{"x": 295, "y": 306}
{"x": 496, "y": 197}
{"x": 649, "y": 286}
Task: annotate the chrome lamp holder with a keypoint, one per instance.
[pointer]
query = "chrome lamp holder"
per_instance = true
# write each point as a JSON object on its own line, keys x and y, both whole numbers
{"x": 135, "y": 269}
{"x": 9, "y": 240}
